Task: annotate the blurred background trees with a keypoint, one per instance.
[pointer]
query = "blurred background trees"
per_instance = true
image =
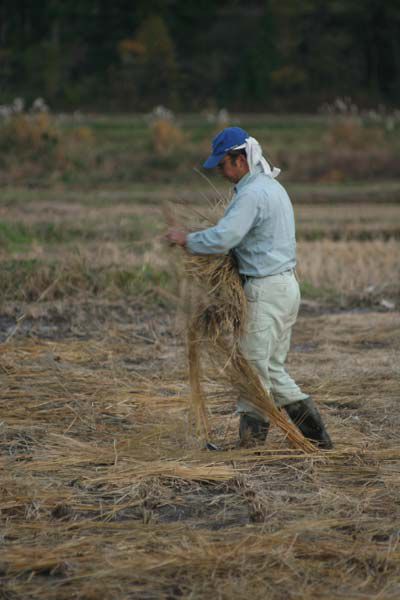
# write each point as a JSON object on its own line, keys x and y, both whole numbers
{"x": 191, "y": 54}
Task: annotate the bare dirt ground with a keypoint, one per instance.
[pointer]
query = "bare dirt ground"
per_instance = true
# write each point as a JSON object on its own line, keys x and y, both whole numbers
{"x": 107, "y": 494}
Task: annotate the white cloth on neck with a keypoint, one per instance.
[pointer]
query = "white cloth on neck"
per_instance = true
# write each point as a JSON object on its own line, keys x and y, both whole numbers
{"x": 255, "y": 157}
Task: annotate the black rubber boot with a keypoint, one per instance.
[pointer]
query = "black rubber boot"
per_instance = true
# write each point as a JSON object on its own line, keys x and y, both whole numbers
{"x": 252, "y": 430}
{"x": 306, "y": 417}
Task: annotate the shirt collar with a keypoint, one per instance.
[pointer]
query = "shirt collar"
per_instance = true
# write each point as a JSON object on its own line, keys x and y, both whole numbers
{"x": 246, "y": 178}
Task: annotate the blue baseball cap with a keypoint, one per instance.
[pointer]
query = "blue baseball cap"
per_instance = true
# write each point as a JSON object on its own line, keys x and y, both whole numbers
{"x": 223, "y": 142}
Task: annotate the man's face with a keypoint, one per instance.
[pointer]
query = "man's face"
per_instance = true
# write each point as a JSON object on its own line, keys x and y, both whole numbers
{"x": 233, "y": 171}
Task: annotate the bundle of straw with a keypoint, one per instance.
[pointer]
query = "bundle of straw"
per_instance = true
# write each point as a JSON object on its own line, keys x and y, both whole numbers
{"x": 216, "y": 319}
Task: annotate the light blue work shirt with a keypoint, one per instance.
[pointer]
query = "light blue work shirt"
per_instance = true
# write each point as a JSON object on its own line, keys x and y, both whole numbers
{"x": 258, "y": 225}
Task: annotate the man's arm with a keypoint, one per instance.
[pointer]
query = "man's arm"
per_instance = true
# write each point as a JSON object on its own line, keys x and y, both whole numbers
{"x": 228, "y": 232}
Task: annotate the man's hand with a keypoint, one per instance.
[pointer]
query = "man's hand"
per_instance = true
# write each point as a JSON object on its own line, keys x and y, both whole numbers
{"x": 176, "y": 237}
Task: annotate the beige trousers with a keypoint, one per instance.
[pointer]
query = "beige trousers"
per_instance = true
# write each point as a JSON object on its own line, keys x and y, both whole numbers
{"x": 273, "y": 303}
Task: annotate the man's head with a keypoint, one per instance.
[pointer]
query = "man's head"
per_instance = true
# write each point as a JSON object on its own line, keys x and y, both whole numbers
{"x": 231, "y": 162}
{"x": 234, "y": 165}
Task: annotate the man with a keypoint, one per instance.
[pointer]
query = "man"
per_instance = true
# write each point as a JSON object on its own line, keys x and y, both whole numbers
{"x": 258, "y": 225}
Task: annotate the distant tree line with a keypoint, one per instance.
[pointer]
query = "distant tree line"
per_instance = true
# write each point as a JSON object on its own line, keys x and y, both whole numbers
{"x": 200, "y": 54}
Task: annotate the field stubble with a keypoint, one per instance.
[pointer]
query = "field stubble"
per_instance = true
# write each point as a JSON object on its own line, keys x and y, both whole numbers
{"x": 107, "y": 494}
{"x": 106, "y": 491}
{"x": 348, "y": 254}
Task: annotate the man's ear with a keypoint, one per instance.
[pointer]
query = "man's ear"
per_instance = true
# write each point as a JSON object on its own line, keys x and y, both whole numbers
{"x": 243, "y": 161}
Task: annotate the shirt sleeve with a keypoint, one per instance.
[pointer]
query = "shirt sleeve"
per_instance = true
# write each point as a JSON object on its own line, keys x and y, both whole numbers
{"x": 229, "y": 231}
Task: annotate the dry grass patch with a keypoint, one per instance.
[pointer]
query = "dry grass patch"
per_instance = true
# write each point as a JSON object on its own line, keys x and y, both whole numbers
{"x": 107, "y": 495}
{"x": 351, "y": 272}
{"x": 348, "y": 221}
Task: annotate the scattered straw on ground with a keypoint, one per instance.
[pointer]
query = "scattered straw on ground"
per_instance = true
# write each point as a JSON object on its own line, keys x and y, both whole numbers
{"x": 106, "y": 495}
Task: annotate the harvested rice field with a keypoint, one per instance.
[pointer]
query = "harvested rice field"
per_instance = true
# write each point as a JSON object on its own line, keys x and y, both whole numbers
{"x": 107, "y": 493}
